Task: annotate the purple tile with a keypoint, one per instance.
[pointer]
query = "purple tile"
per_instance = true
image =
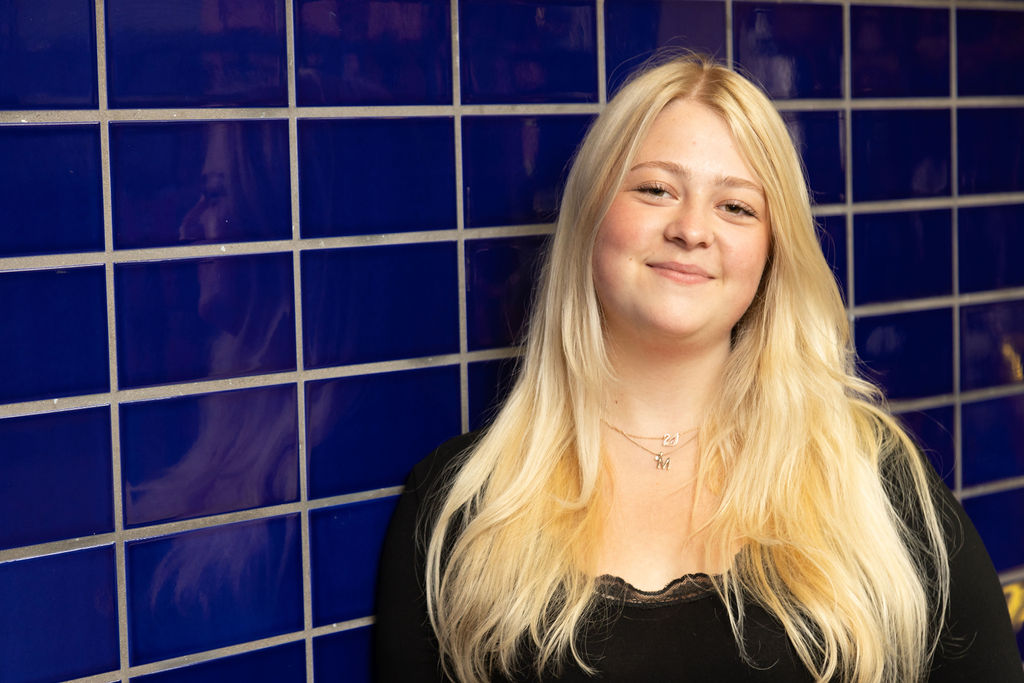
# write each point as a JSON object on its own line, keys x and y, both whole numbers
{"x": 196, "y": 53}
{"x": 991, "y": 344}
{"x": 361, "y": 176}
{"x": 48, "y": 53}
{"x": 528, "y": 51}
{"x": 993, "y": 439}
{"x": 343, "y": 656}
{"x": 999, "y": 517}
{"x": 208, "y": 454}
{"x": 908, "y": 354}
{"x": 368, "y": 304}
{"x": 345, "y": 543}
{"x": 899, "y": 51}
{"x": 989, "y": 161}
{"x": 820, "y": 137}
{"x": 346, "y": 418}
{"x": 198, "y": 182}
{"x": 990, "y": 240}
{"x": 515, "y": 166}
{"x": 989, "y": 52}
{"x": 791, "y": 50}
{"x": 933, "y": 431}
{"x": 904, "y": 255}
{"x": 63, "y": 609}
{"x": 500, "y": 277}
{"x": 213, "y": 587}
{"x": 363, "y": 52}
{"x": 489, "y": 383}
{"x": 832, "y": 237}
{"x": 282, "y": 664}
{"x": 55, "y": 476}
{"x": 900, "y": 154}
{"x": 41, "y": 311}
{"x": 204, "y": 318}
{"x": 50, "y": 189}
{"x": 635, "y": 29}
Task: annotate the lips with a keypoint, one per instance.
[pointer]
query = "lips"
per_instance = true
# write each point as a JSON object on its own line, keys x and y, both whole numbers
{"x": 682, "y": 272}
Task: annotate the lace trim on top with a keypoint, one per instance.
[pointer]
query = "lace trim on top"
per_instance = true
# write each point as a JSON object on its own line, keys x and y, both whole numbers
{"x": 684, "y": 589}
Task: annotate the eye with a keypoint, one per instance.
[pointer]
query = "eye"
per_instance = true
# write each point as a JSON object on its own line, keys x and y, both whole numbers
{"x": 654, "y": 190}
{"x": 738, "y": 208}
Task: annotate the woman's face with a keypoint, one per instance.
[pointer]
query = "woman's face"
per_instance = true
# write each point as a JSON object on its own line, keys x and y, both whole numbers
{"x": 679, "y": 256}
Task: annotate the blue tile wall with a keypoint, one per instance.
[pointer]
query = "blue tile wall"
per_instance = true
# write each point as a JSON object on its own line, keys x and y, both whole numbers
{"x": 244, "y": 244}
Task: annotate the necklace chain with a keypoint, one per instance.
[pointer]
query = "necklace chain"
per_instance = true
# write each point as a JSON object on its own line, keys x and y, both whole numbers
{"x": 661, "y": 458}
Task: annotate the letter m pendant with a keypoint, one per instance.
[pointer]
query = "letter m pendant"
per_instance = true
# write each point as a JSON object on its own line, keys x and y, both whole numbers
{"x": 662, "y": 461}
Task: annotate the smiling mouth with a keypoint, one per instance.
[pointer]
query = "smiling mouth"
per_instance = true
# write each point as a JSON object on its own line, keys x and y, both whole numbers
{"x": 681, "y": 272}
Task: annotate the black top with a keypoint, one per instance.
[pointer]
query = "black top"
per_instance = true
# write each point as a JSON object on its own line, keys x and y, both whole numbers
{"x": 680, "y": 633}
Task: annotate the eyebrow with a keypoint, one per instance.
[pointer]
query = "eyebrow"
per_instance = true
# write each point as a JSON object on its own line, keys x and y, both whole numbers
{"x": 682, "y": 171}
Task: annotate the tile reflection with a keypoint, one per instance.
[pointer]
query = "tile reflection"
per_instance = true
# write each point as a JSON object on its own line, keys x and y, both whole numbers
{"x": 992, "y": 345}
{"x": 993, "y": 439}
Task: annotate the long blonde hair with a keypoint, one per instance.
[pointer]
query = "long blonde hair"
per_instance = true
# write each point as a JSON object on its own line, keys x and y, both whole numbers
{"x": 795, "y": 446}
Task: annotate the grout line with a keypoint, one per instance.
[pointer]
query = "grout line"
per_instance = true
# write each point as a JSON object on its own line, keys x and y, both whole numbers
{"x": 954, "y": 179}
{"x": 602, "y": 51}
{"x": 999, "y": 486}
{"x": 730, "y": 49}
{"x": 848, "y": 205}
{"x": 460, "y": 216}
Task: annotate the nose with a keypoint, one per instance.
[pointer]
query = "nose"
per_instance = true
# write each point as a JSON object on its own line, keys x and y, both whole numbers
{"x": 690, "y": 226}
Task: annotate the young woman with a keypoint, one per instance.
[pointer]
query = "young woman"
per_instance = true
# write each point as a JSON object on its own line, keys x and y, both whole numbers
{"x": 688, "y": 481}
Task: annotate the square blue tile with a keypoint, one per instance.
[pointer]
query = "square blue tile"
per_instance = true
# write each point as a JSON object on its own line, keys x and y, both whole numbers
{"x": 363, "y": 52}
{"x": 343, "y": 656}
{"x": 55, "y": 476}
{"x": 368, "y": 304}
{"x": 991, "y": 344}
{"x": 899, "y": 154}
{"x": 54, "y": 338}
{"x": 899, "y": 51}
{"x": 192, "y": 53}
{"x": 832, "y": 238}
{"x": 820, "y": 137}
{"x": 989, "y": 52}
{"x": 63, "y": 610}
{"x": 501, "y": 275}
{"x": 792, "y": 50}
{"x": 50, "y": 189}
{"x": 932, "y": 430}
{"x": 199, "y": 182}
{"x": 345, "y": 543}
{"x": 999, "y": 517}
{"x": 515, "y": 166}
{"x": 904, "y": 255}
{"x": 990, "y": 242}
{"x": 520, "y": 51}
{"x": 635, "y": 29}
{"x": 204, "y": 318}
{"x": 362, "y": 176}
{"x": 48, "y": 53}
{"x": 910, "y": 355}
{"x": 489, "y": 383}
{"x": 209, "y": 453}
{"x": 993, "y": 439}
{"x": 346, "y": 417}
{"x": 210, "y": 588}
{"x": 990, "y": 143}
{"x": 282, "y": 664}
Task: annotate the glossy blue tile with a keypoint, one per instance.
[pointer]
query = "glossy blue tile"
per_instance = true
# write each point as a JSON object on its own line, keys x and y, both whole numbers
{"x": 635, "y": 29}
{"x": 196, "y": 182}
{"x": 820, "y": 137}
{"x": 832, "y": 238}
{"x": 48, "y": 53}
{"x": 528, "y": 51}
{"x": 361, "y": 176}
{"x": 213, "y": 587}
{"x": 908, "y": 354}
{"x": 43, "y": 311}
{"x": 904, "y": 255}
{"x": 50, "y": 189}
{"x": 343, "y": 656}
{"x": 990, "y": 241}
{"x": 792, "y": 50}
{"x": 990, "y": 143}
{"x": 932, "y": 430}
{"x": 282, "y": 664}
{"x": 55, "y": 476}
{"x": 999, "y": 517}
{"x": 345, "y": 543}
{"x": 373, "y": 53}
{"x": 989, "y": 52}
{"x": 899, "y": 51}
{"x": 900, "y": 154}
{"x": 993, "y": 439}
{"x": 500, "y": 278}
{"x": 209, "y": 453}
{"x": 514, "y": 166}
{"x": 489, "y": 383}
{"x": 63, "y": 609}
{"x": 195, "y": 53}
{"x": 204, "y": 318}
{"x": 346, "y": 418}
{"x": 991, "y": 344}
{"x": 367, "y": 304}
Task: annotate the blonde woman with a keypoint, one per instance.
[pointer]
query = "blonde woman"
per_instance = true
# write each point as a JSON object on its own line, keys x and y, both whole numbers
{"x": 688, "y": 481}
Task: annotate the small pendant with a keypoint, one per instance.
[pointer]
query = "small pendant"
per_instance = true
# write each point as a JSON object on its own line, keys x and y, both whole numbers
{"x": 662, "y": 462}
{"x": 670, "y": 439}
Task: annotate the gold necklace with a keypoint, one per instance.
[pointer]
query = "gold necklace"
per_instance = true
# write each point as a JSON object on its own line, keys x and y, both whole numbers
{"x": 661, "y": 458}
